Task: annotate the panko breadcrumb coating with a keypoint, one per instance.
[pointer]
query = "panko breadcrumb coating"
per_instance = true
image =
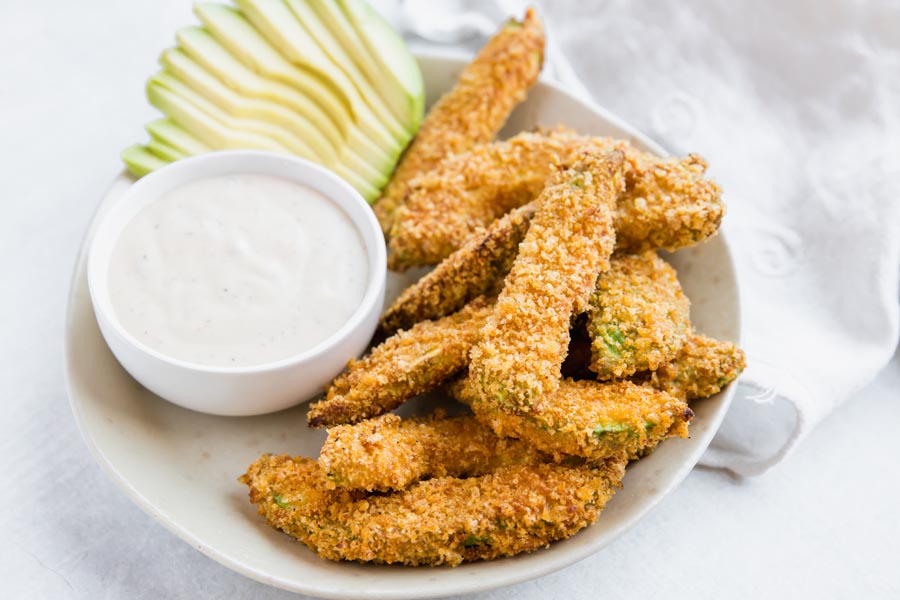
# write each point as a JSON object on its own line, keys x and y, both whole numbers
{"x": 390, "y": 453}
{"x": 474, "y": 269}
{"x": 589, "y": 419}
{"x": 702, "y": 368}
{"x": 667, "y": 202}
{"x": 472, "y": 189}
{"x": 639, "y": 318}
{"x": 441, "y": 521}
{"x": 670, "y": 204}
{"x": 474, "y": 110}
{"x": 569, "y": 243}
{"x": 408, "y": 363}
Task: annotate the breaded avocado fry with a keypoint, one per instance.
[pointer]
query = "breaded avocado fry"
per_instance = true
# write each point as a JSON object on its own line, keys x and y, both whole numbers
{"x": 589, "y": 419}
{"x": 441, "y": 521}
{"x": 390, "y": 453}
{"x": 475, "y": 269}
{"x": 474, "y": 110}
{"x": 702, "y": 368}
{"x": 639, "y": 318}
{"x": 408, "y": 363}
{"x": 569, "y": 243}
{"x": 669, "y": 204}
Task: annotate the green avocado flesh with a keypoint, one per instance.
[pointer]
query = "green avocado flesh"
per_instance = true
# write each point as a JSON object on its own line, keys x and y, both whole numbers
{"x": 325, "y": 80}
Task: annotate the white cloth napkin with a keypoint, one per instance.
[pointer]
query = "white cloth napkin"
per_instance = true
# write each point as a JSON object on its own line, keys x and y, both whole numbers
{"x": 796, "y": 105}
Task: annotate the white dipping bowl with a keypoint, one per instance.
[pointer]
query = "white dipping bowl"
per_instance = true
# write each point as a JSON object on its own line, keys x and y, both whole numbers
{"x": 245, "y": 390}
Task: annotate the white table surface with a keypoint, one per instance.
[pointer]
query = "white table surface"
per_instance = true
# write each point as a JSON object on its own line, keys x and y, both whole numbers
{"x": 824, "y": 524}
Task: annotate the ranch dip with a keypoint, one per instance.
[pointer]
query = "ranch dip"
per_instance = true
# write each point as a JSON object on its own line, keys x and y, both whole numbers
{"x": 237, "y": 270}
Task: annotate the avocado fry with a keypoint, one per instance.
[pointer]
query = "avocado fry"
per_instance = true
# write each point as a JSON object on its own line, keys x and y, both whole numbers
{"x": 390, "y": 453}
{"x": 670, "y": 204}
{"x": 639, "y": 318}
{"x": 702, "y": 368}
{"x": 474, "y": 110}
{"x": 407, "y": 364}
{"x": 589, "y": 419}
{"x": 475, "y": 269}
{"x": 445, "y": 520}
{"x": 524, "y": 342}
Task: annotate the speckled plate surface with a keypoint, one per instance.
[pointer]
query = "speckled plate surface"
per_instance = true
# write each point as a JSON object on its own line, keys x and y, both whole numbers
{"x": 180, "y": 466}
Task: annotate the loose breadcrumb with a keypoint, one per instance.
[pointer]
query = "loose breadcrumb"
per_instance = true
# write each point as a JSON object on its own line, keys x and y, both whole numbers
{"x": 473, "y": 270}
{"x": 442, "y": 521}
{"x": 639, "y": 318}
{"x": 474, "y": 110}
{"x": 569, "y": 243}
{"x": 409, "y": 363}
{"x": 390, "y": 453}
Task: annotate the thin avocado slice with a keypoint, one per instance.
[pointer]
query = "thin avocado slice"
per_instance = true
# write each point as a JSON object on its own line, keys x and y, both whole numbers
{"x": 141, "y": 161}
{"x": 364, "y": 157}
{"x": 202, "y": 125}
{"x": 198, "y": 79}
{"x": 400, "y": 68}
{"x": 269, "y": 114}
{"x": 241, "y": 39}
{"x": 171, "y": 133}
{"x": 283, "y": 140}
{"x": 374, "y": 97}
{"x": 397, "y": 65}
{"x": 280, "y": 26}
{"x": 164, "y": 150}
{"x": 273, "y": 113}
{"x": 222, "y": 131}
{"x": 200, "y": 45}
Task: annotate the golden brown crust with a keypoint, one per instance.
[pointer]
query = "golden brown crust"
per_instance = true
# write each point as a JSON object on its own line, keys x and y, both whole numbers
{"x": 472, "y": 270}
{"x": 445, "y": 520}
{"x": 472, "y": 189}
{"x": 670, "y": 204}
{"x": 639, "y": 318}
{"x": 667, "y": 202}
{"x": 702, "y": 368}
{"x": 390, "y": 453}
{"x": 589, "y": 419}
{"x": 524, "y": 342}
{"x": 408, "y": 363}
{"x": 474, "y": 110}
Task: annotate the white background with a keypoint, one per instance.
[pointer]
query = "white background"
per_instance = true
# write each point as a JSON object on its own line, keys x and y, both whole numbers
{"x": 824, "y": 524}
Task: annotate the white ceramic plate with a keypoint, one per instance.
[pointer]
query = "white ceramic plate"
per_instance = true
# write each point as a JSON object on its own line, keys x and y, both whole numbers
{"x": 180, "y": 466}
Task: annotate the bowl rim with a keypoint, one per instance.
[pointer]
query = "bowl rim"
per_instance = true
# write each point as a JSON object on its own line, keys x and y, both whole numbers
{"x": 351, "y": 203}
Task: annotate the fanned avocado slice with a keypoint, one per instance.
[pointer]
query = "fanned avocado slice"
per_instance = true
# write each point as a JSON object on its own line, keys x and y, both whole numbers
{"x": 394, "y": 98}
{"x": 365, "y": 157}
{"x": 199, "y": 80}
{"x": 164, "y": 150}
{"x": 247, "y": 44}
{"x": 172, "y": 134}
{"x": 284, "y": 31}
{"x": 141, "y": 161}
{"x": 398, "y": 68}
{"x": 326, "y": 80}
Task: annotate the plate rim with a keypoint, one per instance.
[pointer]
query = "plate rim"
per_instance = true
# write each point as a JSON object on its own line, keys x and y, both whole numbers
{"x": 501, "y": 580}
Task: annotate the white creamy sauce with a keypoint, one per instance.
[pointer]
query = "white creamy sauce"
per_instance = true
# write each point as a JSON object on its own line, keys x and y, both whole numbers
{"x": 237, "y": 270}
